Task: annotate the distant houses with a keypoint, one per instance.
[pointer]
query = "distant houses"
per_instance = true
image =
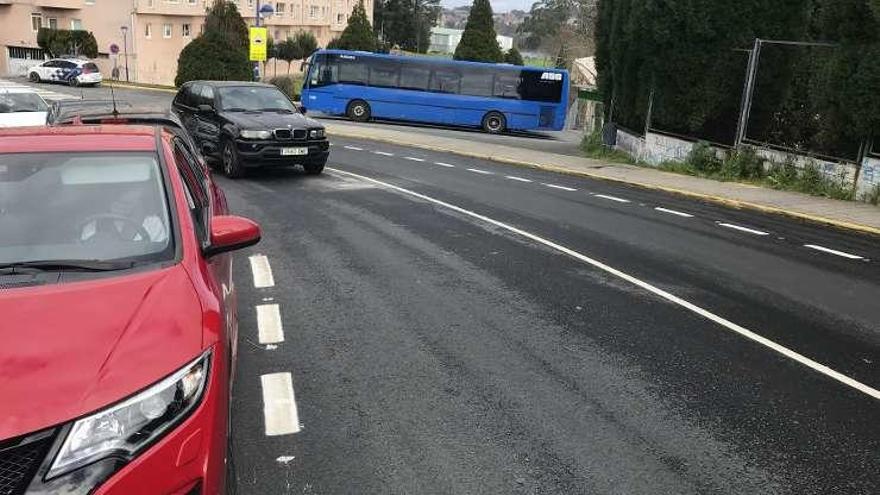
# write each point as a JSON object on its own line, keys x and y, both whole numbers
{"x": 445, "y": 40}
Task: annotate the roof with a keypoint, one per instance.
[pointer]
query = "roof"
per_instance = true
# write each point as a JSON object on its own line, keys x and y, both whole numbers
{"x": 78, "y": 138}
{"x": 228, "y": 84}
{"x": 443, "y": 30}
{"x": 438, "y": 60}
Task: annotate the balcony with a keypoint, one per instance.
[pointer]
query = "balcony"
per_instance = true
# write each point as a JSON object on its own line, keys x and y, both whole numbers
{"x": 186, "y": 8}
{"x": 59, "y": 4}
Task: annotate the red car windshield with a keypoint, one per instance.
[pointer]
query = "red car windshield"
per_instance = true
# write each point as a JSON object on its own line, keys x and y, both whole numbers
{"x": 83, "y": 206}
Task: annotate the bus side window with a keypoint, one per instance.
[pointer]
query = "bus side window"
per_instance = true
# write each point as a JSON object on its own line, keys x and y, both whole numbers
{"x": 445, "y": 81}
{"x": 351, "y": 72}
{"x": 414, "y": 77}
{"x": 507, "y": 84}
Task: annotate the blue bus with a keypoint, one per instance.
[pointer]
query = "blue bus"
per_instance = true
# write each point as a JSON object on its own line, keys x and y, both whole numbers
{"x": 496, "y": 97}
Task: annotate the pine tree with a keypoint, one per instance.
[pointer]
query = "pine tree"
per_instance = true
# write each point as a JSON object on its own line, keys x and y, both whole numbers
{"x": 479, "y": 42}
{"x": 358, "y": 34}
{"x": 513, "y": 57}
{"x": 221, "y": 52}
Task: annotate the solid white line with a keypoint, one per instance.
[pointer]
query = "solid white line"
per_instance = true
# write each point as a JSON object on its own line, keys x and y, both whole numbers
{"x": 554, "y": 186}
{"x": 447, "y": 165}
{"x": 413, "y": 159}
{"x": 269, "y": 326}
{"x": 834, "y": 252}
{"x": 478, "y": 171}
{"x": 743, "y": 229}
{"x": 353, "y": 148}
{"x": 383, "y": 153}
{"x": 744, "y": 332}
{"x": 612, "y": 198}
{"x": 674, "y": 212}
{"x": 262, "y": 271}
{"x": 279, "y": 404}
{"x": 513, "y": 177}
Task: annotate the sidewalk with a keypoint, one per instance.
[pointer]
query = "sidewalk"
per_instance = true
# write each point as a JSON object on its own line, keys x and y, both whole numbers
{"x": 861, "y": 217}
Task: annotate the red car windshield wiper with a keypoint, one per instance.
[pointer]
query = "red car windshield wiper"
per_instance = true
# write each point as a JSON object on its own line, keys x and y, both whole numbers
{"x": 68, "y": 265}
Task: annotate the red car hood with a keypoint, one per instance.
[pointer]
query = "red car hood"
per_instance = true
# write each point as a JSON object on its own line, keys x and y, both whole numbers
{"x": 73, "y": 348}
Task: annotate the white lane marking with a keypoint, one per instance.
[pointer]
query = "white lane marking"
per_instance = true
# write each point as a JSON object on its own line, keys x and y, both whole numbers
{"x": 413, "y": 159}
{"x": 744, "y": 332}
{"x": 834, "y": 252}
{"x": 447, "y": 165}
{"x": 513, "y": 177}
{"x": 262, "y": 271}
{"x": 742, "y": 229}
{"x": 284, "y": 459}
{"x": 353, "y": 148}
{"x": 268, "y": 299}
{"x": 554, "y": 186}
{"x": 271, "y": 347}
{"x": 612, "y": 198}
{"x": 279, "y": 404}
{"x": 478, "y": 171}
{"x": 383, "y": 153}
{"x": 269, "y": 326}
{"x": 674, "y": 212}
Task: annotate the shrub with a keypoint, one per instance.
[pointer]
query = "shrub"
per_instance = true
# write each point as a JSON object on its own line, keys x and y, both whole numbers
{"x": 703, "y": 159}
{"x": 513, "y": 57}
{"x": 61, "y": 42}
{"x": 743, "y": 164}
{"x": 873, "y": 196}
{"x": 213, "y": 57}
{"x": 291, "y": 85}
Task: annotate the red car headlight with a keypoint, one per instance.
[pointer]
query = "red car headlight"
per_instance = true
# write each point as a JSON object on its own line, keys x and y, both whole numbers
{"x": 124, "y": 429}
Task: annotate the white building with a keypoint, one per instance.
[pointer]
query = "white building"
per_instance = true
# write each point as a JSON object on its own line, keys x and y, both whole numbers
{"x": 445, "y": 40}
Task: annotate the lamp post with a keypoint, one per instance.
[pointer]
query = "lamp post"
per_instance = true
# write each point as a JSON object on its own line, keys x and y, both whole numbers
{"x": 125, "y": 49}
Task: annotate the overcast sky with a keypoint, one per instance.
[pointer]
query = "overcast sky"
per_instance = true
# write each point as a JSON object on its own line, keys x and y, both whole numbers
{"x": 497, "y": 6}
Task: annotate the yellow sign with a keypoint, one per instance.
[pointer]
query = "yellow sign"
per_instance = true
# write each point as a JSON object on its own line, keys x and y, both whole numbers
{"x": 258, "y": 37}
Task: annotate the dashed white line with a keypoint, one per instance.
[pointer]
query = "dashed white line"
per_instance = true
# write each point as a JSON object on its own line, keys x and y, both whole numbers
{"x": 279, "y": 404}
{"x": 612, "y": 198}
{"x": 478, "y": 171}
{"x": 674, "y": 212}
{"x": 262, "y": 271}
{"x": 353, "y": 148}
{"x": 413, "y": 159}
{"x": 834, "y": 252}
{"x": 742, "y": 229}
{"x": 269, "y": 326}
{"x": 520, "y": 179}
{"x": 447, "y": 165}
{"x": 554, "y": 186}
{"x": 383, "y": 153}
{"x": 729, "y": 325}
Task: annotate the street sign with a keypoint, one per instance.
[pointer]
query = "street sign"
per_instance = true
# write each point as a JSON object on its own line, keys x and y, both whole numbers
{"x": 114, "y": 48}
{"x": 258, "y": 36}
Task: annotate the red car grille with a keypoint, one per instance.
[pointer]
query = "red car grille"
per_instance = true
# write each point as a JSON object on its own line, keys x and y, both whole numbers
{"x": 19, "y": 463}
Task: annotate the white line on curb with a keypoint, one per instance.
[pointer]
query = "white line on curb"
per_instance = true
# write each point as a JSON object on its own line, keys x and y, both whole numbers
{"x": 279, "y": 404}
{"x": 742, "y": 331}
{"x": 447, "y": 165}
{"x": 612, "y": 198}
{"x": 743, "y": 229}
{"x": 353, "y": 148}
{"x": 413, "y": 159}
{"x": 513, "y": 177}
{"x": 834, "y": 252}
{"x": 269, "y": 326}
{"x": 554, "y": 186}
{"x": 262, "y": 271}
{"x": 478, "y": 171}
{"x": 674, "y": 212}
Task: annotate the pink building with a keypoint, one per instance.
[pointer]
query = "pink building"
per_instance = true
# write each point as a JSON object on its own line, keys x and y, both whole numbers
{"x": 154, "y": 31}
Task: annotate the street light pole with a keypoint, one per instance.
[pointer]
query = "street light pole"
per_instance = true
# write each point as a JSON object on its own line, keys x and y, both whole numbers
{"x": 418, "y": 27}
{"x": 125, "y": 49}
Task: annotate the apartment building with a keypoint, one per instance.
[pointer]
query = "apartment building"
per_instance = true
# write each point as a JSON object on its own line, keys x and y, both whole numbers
{"x": 154, "y": 31}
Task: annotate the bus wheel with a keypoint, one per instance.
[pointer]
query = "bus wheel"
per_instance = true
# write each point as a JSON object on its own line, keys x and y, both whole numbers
{"x": 494, "y": 123}
{"x": 358, "y": 110}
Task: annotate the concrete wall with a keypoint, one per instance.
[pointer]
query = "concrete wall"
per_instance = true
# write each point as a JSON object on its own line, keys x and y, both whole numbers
{"x": 661, "y": 147}
{"x": 832, "y": 170}
{"x": 869, "y": 178}
{"x": 632, "y": 144}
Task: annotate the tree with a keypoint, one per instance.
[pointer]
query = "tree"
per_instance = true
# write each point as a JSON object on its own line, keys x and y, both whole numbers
{"x": 334, "y": 44}
{"x": 478, "y": 42}
{"x": 358, "y": 34}
{"x": 61, "y": 42}
{"x": 513, "y": 57}
{"x": 287, "y": 51}
{"x": 305, "y": 43}
{"x": 561, "y": 28}
{"x": 221, "y": 52}
{"x": 406, "y": 23}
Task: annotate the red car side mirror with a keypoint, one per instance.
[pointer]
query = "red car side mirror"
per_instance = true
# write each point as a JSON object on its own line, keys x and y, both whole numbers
{"x": 230, "y": 233}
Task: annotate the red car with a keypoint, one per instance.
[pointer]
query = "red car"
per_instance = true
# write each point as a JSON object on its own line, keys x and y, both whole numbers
{"x": 117, "y": 313}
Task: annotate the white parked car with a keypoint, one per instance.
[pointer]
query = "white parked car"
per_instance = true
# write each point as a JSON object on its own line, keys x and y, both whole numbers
{"x": 73, "y": 71}
{"x": 20, "y": 107}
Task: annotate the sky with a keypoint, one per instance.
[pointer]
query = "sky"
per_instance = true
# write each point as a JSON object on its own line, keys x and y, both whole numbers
{"x": 497, "y": 6}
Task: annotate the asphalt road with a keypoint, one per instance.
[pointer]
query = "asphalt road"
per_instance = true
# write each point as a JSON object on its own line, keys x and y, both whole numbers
{"x": 516, "y": 331}
{"x": 435, "y": 352}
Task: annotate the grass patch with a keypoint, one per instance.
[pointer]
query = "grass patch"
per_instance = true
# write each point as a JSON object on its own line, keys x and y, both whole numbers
{"x": 593, "y": 147}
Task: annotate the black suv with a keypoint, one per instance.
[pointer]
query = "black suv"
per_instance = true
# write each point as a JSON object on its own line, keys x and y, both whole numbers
{"x": 248, "y": 125}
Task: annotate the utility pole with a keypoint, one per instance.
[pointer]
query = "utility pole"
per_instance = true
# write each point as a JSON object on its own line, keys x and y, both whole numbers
{"x": 124, "y": 49}
{"x": 418, "y": 27}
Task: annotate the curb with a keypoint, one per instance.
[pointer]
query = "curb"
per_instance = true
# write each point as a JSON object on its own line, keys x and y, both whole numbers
{"x": 734, "y": 203}
{"x": 134, "y": 86}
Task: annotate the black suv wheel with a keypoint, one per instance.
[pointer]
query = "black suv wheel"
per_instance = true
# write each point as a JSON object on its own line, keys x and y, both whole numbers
{"x": 232, "y": 166}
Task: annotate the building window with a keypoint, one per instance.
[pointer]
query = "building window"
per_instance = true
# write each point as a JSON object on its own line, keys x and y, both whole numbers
{"x": 192, "y": 2}
{"x": 280, "y": 8}
{"x": 185, "y": 30}
{"x": 251, "y": 3}
{"x": 76, "y": 24}
{"x": 36, "y": 22}
{"x": 148, "y": 30}
{"x": 90, "y": 2}
{"x": 172, "y": 1}
{"x": 166, "y": 30}
{"x": 314, "y": 11}
{"x": 340, "y": 18}
{"x": 53, "y": 22}
{"x": 151, "y": 3}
